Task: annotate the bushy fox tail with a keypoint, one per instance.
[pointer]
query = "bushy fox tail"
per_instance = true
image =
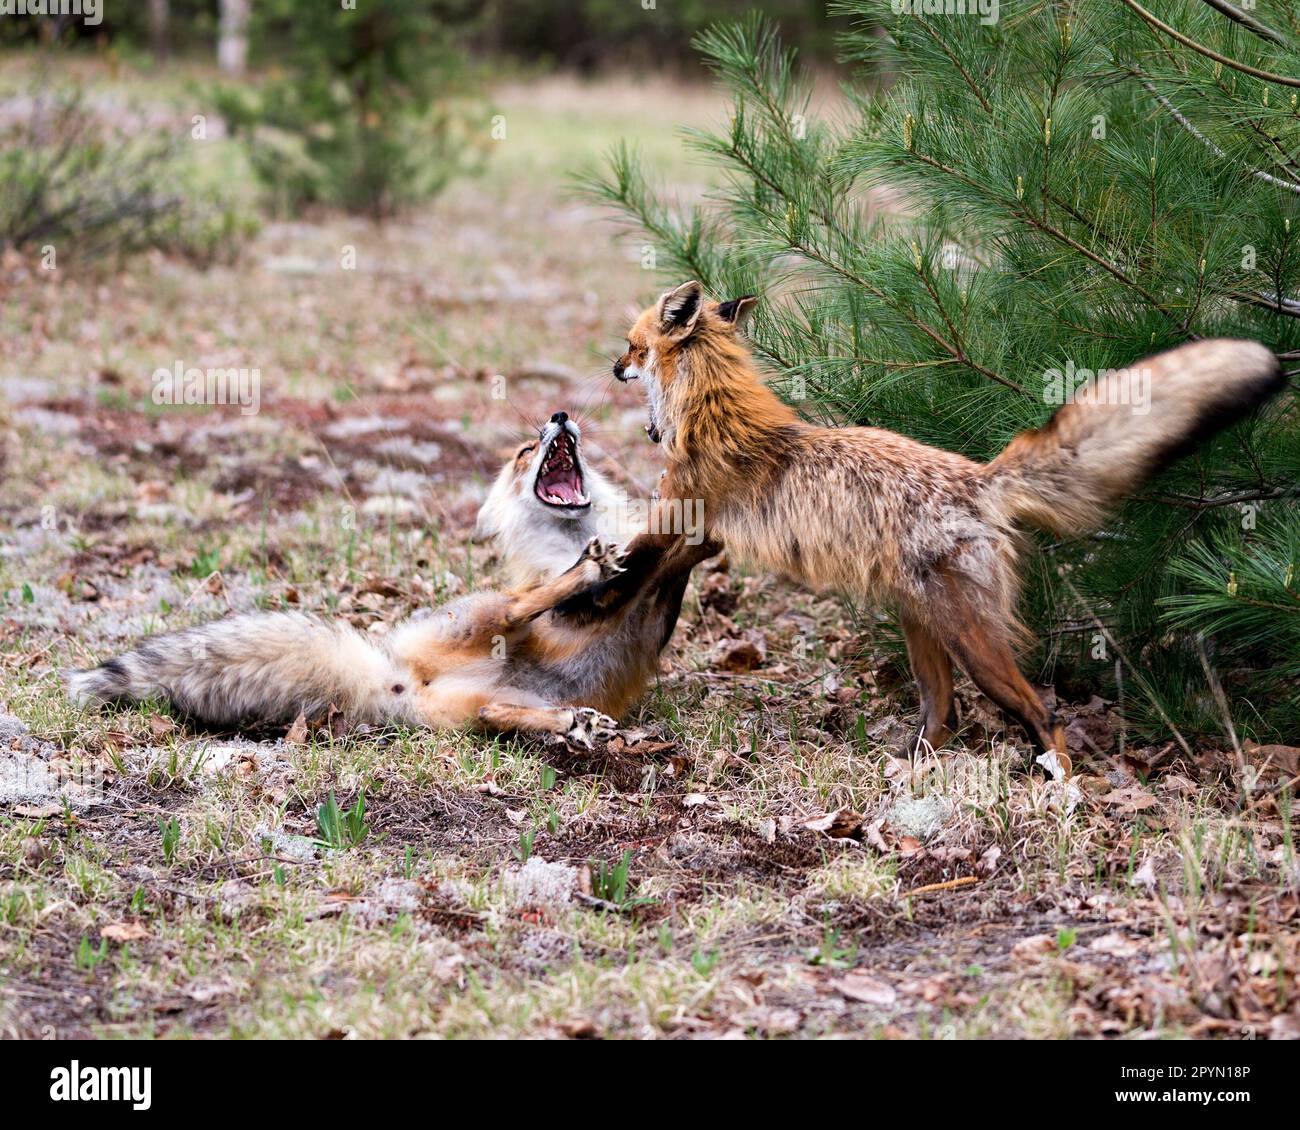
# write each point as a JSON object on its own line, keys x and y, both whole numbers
{"x": 1125, "y": 425}
{"x": 252, "y": 668}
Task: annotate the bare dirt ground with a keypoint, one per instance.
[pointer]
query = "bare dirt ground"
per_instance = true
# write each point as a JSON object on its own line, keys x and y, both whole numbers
{"x": 752, "y": 858}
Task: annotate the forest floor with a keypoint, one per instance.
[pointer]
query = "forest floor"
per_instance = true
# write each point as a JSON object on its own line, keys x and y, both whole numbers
{"x": 771, "y": 866}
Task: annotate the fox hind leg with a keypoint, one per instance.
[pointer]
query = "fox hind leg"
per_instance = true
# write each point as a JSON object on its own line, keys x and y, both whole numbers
{"x": 579, "y": 724}
{"x": 992, "y": 667}
{"x": 980, "y": 645}
{"x": 932, "y": 669}
{"x": 506, "y": 717}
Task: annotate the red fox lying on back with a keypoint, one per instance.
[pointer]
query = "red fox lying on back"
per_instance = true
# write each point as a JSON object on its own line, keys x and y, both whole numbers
{"x": 499, "y": 659}
{"x": 880, "y": 516}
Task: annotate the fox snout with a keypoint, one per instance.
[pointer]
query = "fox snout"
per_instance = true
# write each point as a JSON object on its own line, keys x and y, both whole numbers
{"x": 629, "y": 366}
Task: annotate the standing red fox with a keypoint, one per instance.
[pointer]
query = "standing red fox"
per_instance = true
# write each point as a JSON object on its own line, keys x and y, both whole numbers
{"x": 882, "y": 517}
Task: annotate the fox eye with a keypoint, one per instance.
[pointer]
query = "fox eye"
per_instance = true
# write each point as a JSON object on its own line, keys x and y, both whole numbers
{"x": 526, "y": 449}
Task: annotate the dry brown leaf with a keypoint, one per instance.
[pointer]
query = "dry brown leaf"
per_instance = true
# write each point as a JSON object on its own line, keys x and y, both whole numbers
{"x": 1090, "y": 731}
{"x": 1034, "y": 946}
{"x": 297, "y": 733}
{"x": 649, "y": 749}
{"x": 380, "y": 586}
{"x": 841, "y": 824}
{"x": 871, "y": 833}
{"x": 1115, "y": 944}
{"x": 1091, "y": 785}
{"x": 715, "y": 592}
{"x": 1285, "y": 1027}
{"x": 1285, "y": 757}
{"x": 336, "y": 722}
{"x": 1132, "y": 798}
{"x": 1177, "y": 783}
{"x": 37, "y": 811}
{"x": 772, "y": 1021}
{"x": 122, "y": 932}
{"x": 35, "y": 852}
{"x": 863, "y": 987}
{"x": 739, "y": 654}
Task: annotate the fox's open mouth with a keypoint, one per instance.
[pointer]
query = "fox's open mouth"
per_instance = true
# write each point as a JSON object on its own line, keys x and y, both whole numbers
{"x": 559, "y": 481}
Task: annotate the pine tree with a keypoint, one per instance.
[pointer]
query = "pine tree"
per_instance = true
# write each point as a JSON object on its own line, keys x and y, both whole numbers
{"x": 368, "y": 107}
{"x": 1011, "y": 201}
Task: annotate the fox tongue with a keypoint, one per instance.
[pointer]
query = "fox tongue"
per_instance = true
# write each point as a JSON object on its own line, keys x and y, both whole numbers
{"x": 565, "y": 490}
{"x": 563, "y": 485}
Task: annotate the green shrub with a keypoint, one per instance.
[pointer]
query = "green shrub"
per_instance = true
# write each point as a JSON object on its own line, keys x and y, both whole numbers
{"x": 369, "y": 109}
{"x": 71, "y": 180}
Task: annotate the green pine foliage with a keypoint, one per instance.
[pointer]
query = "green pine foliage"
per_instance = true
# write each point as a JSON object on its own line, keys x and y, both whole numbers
{"x": 1003, "y": 207}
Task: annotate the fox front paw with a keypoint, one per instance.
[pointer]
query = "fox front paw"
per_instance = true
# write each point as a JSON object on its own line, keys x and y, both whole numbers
{"x": 608, "y": 558}
{"x": 588, "y": 725}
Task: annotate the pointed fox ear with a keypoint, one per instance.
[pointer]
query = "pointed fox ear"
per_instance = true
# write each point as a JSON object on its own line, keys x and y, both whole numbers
{"x": 736, "y": 310}
{"x": 679, "y": 310}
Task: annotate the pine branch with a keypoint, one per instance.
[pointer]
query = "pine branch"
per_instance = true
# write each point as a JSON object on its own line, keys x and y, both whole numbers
{"x": 1188, "y": 502}
{"x": 1181, "y": 119}
{"x": 1055, "y": 233}
{"x": 953, "y": 348}
{"x": 1248, "y": 21}
{"x": 1288, "y": 307}
{"x": 1186, "y": 41}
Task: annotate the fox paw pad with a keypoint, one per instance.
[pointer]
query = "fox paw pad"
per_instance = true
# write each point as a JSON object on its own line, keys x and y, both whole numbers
{"x": 608, "y": 558}
{"x": 590, "y": 724}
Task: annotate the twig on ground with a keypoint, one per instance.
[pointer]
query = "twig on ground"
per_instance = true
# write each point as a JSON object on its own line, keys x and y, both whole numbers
{"x": 950, "y": 884}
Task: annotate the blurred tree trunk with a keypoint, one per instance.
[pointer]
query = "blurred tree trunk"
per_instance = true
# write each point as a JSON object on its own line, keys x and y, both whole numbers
{"x": 159, "y": 27}
{"x": 232, "y": 44}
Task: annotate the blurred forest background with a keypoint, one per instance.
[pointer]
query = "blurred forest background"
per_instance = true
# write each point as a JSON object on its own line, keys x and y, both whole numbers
{"x": 372, "y": 109}
{"x": 587, "y": 35}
